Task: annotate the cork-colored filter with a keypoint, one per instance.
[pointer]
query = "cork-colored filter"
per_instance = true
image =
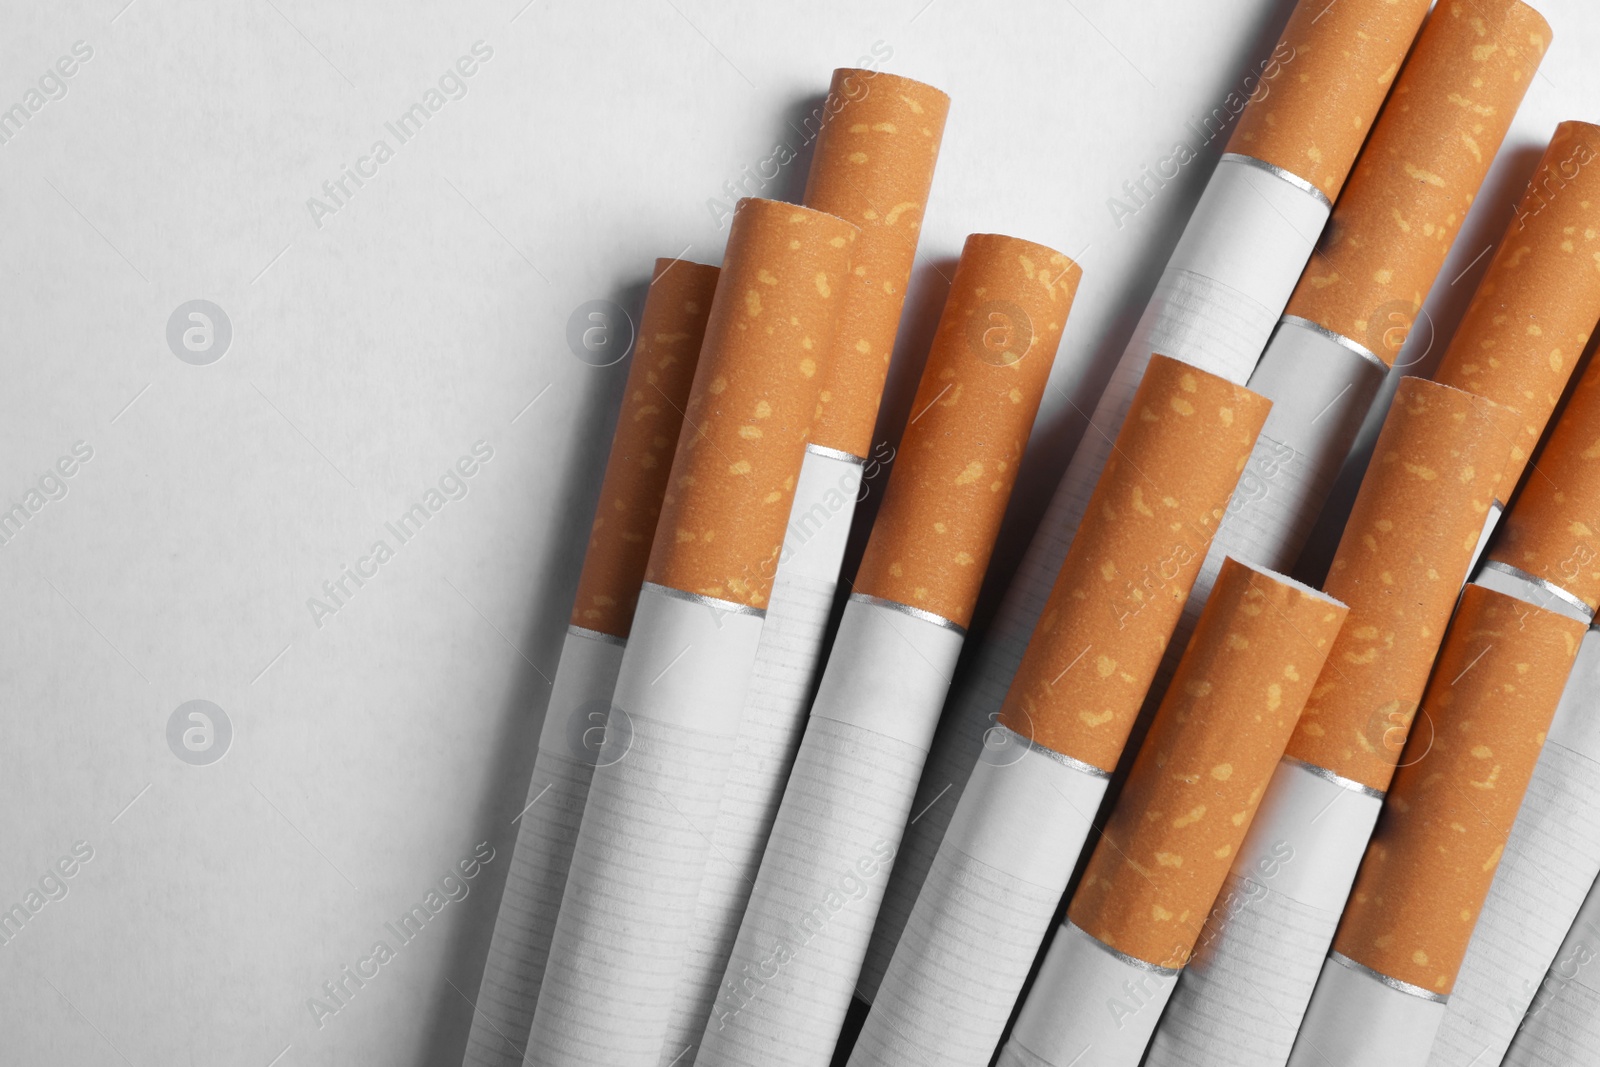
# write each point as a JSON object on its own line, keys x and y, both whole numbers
{"x": 751, "y": 407}
{"x": 1119, "y": 593}
{"x": 670, "y": 332}
{"x": 1420, "y": 171}
{"x": 1533, "y": 312}
{"x": 969, "y": 424}
{"x": 1400, "y": 566}
{"x": 1324, "y": 84}
{"x": 1212, "y": 748}
{"x": 873, "y": 166}
{"x": 1444, "y": 825}
{"x": 1553, "y": 528}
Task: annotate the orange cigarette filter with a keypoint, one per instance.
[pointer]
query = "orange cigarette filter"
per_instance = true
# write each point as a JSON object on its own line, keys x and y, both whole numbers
{"x": 1421, "y": 169}
{"x": 1400, "y": 566}
{"x": 1119, "y": 593}
{"x": 1531, "y": 317}
{"x": 1200, "y": 774}
{"x": 751, "y": 407}
{"x": 974, "y": 408}
{"x": 670, "y": 332}
{"x": 1335, "y": 65}
{"x": 1445, "y": 823}
{"x": 873, "y": 166}
{"x": 1553, "y": 529}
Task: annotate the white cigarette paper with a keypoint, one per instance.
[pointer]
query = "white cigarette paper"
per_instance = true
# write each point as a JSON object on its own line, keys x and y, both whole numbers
{"x": 1360, "y": 1018}
{"x": 794, "y": 965}
{"x": 1562, "y": 1027}
{"x": 608, "y": 989}
{"x": 788, "y": 661}
{"x": 1551, "y": 860}
{"x": 569, "y": 746}
{"x": 1214, "y": 307}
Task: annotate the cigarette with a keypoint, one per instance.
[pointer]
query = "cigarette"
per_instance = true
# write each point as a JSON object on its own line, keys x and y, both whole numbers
{"x": 648, "y": 424}
{"x": 1413, "y": 528}
{"x": 873, "y": 166}
{"x": 635, "y": 873}
{"x": 1383, "y": 990}
{"x": 1553, "y": 854}
{"x": 1560, "y": 1026}
{"x": 1182, "y": 815}
{"x": 799, "y": 948}
{"x": 1532, "y": 313}
{"x": 1214, "y": 307}
{"x": 1330, "y": 355}
{"x": 1021, "y": 824}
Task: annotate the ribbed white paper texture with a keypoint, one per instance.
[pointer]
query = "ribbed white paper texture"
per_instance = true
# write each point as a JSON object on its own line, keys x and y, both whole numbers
{"x": 1255, "y": 231}
{"x": 1562, "y": 1028}
{"x": 625, "y": 917}
{"x": 547, "y": 831}
{"x": 843, "y": 811}
{"x": 1551, "y": 860}
{"x": 1240, "y": 1001}
{"x": 787, "y": 664}
{"x": 1357, "y": 1020}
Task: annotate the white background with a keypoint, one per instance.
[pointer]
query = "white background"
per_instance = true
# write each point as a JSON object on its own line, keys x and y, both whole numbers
{"x": 374, "y": 752}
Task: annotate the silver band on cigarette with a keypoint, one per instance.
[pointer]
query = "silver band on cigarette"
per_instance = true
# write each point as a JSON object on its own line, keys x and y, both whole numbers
{"x": 1393, "y": 983}
{"x": 1131, "y": 961}
{"x": 1584, "y": 612}
{"x": 907, "y": 609}
{"x": 1337, "y": 338}
{"x": 1278, "y": 172}
{"x": 595, "y": 635}
{"x": 727, "y": 607}
{"x": 1337, "y": 779}
{"x": 835, "y": 453}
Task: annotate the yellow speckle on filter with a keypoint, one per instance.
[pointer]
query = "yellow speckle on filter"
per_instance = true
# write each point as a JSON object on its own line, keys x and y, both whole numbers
{"x": 683, "y": 536}
{"x": 1159, "y": 914}
{"x": 752, "y": 302}
{"x": 1182, "y": 406}
{"x": 996, "y": 486}
{"x": 939, "y": 527}
{"x": 647, "y": 462}
{"x": 750, "y": 433}
{"x": 1274, "y": 696}
{"x": 1494, "y": 858}
{"x": 859, "y": 127}
{"x": 964, "y": 559}
{"x": 1483, "y": 52}
{"x": 772, "y": 497}
{"x": 896, "y": 570}
{"x": 1091, "y": 719}
{"x": 763, "y": 409}
{"x": 1555, "y": 360}
{"x": 1383, "y": 276}
{"x": 1468, "y": 473}
{"x": 1482, "y": 751}
{"x": 1105, "y": 666}
{"x": 821, "y": 281}
{"x": 1413, "y": 171}
{"x": 766, "y": 277}
{"x": 1237, "y": 642}
{"x": 1169, "y": 859}
{"x": 838, "y": 242}
{"x": 1223, "y": 853}
{"x": 1238, "y": 817}
{"x": 807, "y": 344}
{"x": 970, "y": 473}
{"x": 1419, "y": 956}
{"x": 1015, "y": 395}
{"x": 739, "y": 467}
{"x": 863, "y": 347}
{"x": 794, "y": 243}
{"x": 718, "y": 384}
{"x": 808, "y": 367}
{"x": 1138, "y": 502}
{"x": 1225, "y": 415}
{"x": 858, "y": 157}
{"x": 1313, "y": 729}
{"x": 1427, "y": 474}
{"x": 1466, "y": 915}
{"x": 1189, "y": 384}
{"x": 1222, "y": 772}
{"x": 1578, "y": 529}
{"x": 1108, "y": 570}
{"x": 1196, "y": 813}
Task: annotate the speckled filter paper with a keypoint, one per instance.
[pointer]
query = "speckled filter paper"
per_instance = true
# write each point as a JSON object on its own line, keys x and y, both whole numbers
{"x": 1443, "y": 830}
{"x": 793, "y": 966}
{"x": 1177, "y": 460}
{"x": 625, "y": 916}
{"x": 1553, "y": 854}
{"x": 1534, "y": 310}
{"x": 873, "y": 166}
{"x": 1214, "y": 306}
{"x": 1183, "y": 813}
{"x": 1413, "y": 527}
{"x": 1428, "y": 154}
{"x": 670, "y": 333}
{"x": 1562, "y": 1026}
{"x": 1327, "y": 359}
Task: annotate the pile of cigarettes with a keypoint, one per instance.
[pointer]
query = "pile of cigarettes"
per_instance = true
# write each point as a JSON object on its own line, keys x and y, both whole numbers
{"x": 1173, "y": 807}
